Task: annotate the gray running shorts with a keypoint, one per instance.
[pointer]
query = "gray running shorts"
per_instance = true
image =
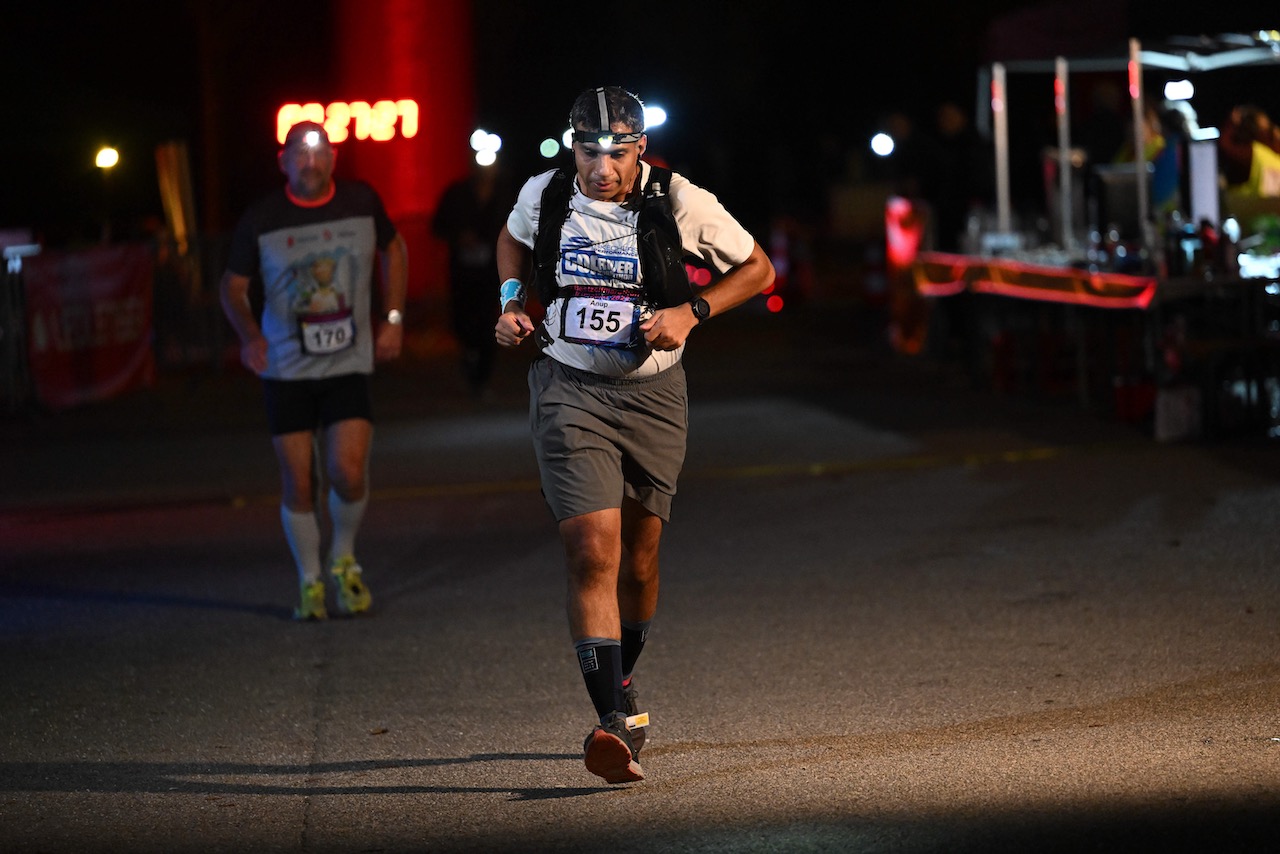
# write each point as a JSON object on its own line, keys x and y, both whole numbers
{"x": 601, "y": 438}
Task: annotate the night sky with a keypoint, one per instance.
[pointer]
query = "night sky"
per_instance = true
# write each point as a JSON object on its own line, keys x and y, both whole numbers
{"x": 766, "y": 98}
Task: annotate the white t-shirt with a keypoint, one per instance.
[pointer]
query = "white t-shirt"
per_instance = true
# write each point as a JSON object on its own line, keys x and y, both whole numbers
{"x": 599, "y": 258}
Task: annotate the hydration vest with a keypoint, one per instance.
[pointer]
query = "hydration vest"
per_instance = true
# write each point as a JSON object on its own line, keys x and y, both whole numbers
{"x": 663, "y": 274}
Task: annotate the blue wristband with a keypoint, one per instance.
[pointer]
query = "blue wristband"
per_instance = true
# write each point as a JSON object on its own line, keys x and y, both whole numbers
{"x": 512, "y": 289}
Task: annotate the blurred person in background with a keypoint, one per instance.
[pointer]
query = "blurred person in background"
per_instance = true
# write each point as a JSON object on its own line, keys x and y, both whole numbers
{"x": 963, "y": 178}
{"x": 468, "y": 218}
{"x": 1249, "y": 152}
{"x": 314, "y": 244}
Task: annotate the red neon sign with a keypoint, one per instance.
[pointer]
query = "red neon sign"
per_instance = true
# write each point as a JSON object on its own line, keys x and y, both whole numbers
{"x": 376, "y": 121}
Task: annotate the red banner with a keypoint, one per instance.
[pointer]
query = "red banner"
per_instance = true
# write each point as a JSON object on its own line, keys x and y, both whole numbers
{"x": 89, "y": 323}
{"x": 944, "y": 274}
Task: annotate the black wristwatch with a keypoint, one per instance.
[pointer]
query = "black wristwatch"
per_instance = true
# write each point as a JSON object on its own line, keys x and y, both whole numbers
{"x": 701, "y": 310}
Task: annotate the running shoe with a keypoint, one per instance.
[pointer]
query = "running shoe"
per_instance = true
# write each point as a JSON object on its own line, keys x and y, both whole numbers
{"x": 311, "y": 601}
{"x": 353, "y": 595}
{"x": 630, "y": 695}
{"x": 609, "y": 752}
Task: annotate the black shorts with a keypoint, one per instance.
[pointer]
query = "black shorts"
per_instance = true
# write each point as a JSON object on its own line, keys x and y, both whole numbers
{"x": 294, "y": 406}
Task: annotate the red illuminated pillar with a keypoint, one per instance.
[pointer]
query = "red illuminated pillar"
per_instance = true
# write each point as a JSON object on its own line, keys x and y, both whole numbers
{"x": 393, "y": 49}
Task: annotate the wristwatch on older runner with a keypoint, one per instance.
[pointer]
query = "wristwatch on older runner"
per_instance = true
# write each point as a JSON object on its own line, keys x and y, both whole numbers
{"x": 701, "y": 310}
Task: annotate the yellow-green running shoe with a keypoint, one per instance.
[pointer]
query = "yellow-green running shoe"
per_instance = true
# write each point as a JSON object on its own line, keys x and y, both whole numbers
{"x": 311, "y": 601}
{"x": 353, "y": 595}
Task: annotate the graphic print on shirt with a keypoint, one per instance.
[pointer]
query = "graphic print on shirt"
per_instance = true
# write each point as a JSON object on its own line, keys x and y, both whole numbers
{"x": 600, "y": 295}
{"x": 329, "y": 262}
{"x": 320, "y": 289}
{"x": 606, "y": 261}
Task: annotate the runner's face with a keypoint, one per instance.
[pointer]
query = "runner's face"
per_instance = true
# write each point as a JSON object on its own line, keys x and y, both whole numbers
{"x": 309, "y": 169}
{"x": 608, "y": 174}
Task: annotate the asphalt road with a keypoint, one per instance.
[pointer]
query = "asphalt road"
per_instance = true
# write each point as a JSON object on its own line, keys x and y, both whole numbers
{"x": 899, "y": 614}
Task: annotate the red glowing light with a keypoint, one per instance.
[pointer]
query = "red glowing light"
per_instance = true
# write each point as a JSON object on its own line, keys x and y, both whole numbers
{"x": 774, "y": 304}
{"x": 904, "y": 232}
{"x": 700, "y": 276}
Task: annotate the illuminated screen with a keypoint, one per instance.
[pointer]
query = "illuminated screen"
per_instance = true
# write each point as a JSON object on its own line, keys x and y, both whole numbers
{"x": 378, "y": 121}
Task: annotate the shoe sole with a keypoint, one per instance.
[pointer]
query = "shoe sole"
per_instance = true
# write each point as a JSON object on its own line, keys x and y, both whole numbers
{"x": 350, "y": 605}
{"x": 609, "y": 757}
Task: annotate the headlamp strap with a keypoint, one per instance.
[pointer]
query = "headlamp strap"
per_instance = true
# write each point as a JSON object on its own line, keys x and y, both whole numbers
{"x": 604, "y": 110}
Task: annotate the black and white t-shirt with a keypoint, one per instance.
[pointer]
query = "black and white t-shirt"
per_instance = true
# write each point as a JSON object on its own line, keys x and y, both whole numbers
{"x": 316, "y": 265}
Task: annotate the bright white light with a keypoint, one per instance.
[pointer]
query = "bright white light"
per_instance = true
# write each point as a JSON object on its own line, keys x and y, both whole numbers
{"x": 107, "y": 157}
{"x": 1179, "y": 90}
{"x": 548, "y": 148}
{"x": 654, "y": 116}
{"x": 482, "y": 140}
{"x": 882, "y": 144}
{"x": 1260, "y": 267}
{"x": 311, "y": 138}
{"x": 567, "y": 139}
{"x": 486, "y": 157}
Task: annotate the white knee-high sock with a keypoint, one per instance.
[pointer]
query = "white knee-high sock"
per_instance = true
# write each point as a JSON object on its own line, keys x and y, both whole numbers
{"x": 303, "y": 533}
{"x": 346, "y": 516}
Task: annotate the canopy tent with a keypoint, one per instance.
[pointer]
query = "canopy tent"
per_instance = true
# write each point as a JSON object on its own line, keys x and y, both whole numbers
{"x": 1182, "y": 55}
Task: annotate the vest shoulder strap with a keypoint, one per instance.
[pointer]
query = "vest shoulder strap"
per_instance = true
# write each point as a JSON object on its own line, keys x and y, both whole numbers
{"x": 661, "y": 250}
{"x": 553, "y": 212}
{"x": 660, "y": 245}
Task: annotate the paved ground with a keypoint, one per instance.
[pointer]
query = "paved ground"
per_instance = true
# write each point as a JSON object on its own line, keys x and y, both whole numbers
{"x": 899, "y": 614}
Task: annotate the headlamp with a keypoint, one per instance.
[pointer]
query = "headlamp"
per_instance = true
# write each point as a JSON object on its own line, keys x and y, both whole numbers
{"x": 308, "y": 135}
{"x": 606, "y": 138}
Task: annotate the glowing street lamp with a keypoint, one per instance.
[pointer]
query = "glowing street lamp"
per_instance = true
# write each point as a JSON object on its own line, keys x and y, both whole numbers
{"x": 106, "y": 159}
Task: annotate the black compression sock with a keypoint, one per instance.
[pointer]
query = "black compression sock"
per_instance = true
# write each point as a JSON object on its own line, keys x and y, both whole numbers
{"x": 601, "y": 662}
{"x": 633, "y": 637}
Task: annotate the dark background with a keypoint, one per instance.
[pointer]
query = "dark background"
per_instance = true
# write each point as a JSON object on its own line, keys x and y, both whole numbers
{"x": 771, "y": 102}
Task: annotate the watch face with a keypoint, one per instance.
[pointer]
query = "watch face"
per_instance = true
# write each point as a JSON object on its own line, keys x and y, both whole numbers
{"x": 700, "y": 309}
